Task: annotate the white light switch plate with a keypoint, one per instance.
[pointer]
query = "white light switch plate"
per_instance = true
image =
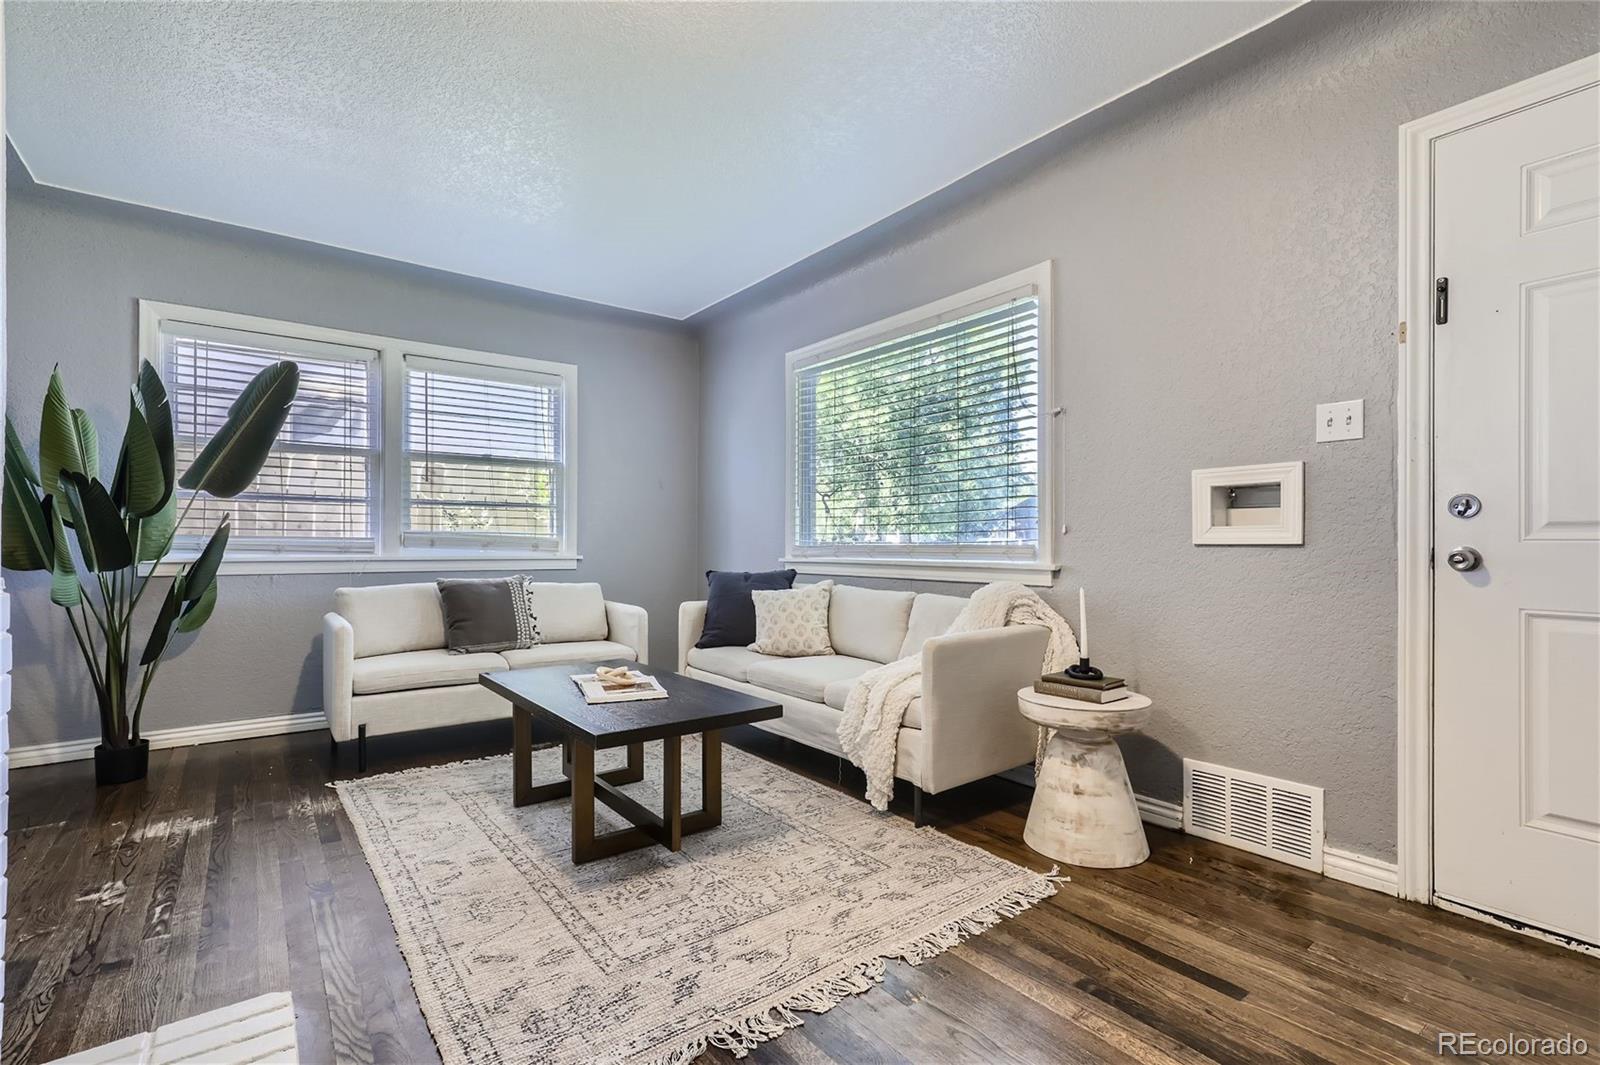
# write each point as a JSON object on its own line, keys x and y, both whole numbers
{"x": 1340, "y": 421}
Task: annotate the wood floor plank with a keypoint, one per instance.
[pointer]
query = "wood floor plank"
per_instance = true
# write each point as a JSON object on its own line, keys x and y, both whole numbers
{"x": 182, "y": 920}
{"x": 131, "y": 999}
{"x": 233, "y": 871}
{"x": 1474, "y": 997}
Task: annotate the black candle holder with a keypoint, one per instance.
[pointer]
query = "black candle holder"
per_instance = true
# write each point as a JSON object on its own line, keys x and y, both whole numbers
{"x": 1084, "y": 671}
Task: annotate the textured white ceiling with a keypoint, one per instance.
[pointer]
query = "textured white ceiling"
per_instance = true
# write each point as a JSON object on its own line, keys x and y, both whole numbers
{"x": 657, "y": 157}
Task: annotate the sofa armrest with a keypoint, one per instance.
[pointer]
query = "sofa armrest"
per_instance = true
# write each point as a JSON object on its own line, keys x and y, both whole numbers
{"x": 691, "y": 622}
{"x": 971, "y": 725}
{"x": 338, "y": 670}
{"x": 629, "y": 624}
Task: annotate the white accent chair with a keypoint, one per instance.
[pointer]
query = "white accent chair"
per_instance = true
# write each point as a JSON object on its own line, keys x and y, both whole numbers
{"x": 962, "y": 728}
{"x": 385, "y": 667}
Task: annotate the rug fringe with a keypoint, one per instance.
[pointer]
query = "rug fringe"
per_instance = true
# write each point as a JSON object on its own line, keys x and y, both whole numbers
{"x": 853, "y": 978}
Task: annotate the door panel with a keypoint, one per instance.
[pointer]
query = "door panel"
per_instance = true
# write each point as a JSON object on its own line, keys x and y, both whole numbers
{"x": 1561, "y": 388}
{"x": 1517, "y": 421}
{"x": 1560, "y": 730}
{"x": 1561, "y": 190}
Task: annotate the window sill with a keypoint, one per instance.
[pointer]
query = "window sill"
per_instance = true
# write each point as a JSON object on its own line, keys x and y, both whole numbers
{"x": 960, "y": 571}
{"x": 240, "y": 564}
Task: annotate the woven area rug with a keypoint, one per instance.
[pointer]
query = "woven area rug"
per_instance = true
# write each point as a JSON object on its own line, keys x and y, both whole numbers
{"x": 793, "y": 903}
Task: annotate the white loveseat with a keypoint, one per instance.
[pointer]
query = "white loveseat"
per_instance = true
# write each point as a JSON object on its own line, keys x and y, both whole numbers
{"x": 385, "y": 667}
{"x": 963, "y": 727}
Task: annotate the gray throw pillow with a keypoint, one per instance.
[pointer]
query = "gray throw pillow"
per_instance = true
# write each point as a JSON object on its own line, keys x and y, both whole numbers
{"x": 495, "y": 614}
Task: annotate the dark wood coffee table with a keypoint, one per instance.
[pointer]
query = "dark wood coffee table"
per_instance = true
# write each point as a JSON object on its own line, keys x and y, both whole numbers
{"x": 548, "y": 694}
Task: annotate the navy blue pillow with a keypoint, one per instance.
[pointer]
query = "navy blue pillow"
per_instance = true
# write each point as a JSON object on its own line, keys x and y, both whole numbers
{"x": 730, "y": 612}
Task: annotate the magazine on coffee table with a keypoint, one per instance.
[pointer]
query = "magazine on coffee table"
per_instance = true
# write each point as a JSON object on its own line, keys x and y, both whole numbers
{"x": 643, "y": 686}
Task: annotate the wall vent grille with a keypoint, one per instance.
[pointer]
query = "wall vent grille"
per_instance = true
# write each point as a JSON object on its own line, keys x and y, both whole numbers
{"x": 1276, "y": 818}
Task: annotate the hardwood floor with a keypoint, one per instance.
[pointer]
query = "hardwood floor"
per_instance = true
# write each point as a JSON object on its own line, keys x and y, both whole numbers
{"x": 232, "y": 872}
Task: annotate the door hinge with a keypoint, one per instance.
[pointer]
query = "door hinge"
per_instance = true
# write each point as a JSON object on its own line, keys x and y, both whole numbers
{"x": 1430, "y": 558}
{"x": 1402, "y": 332}
{"x": 1441, "y": 300}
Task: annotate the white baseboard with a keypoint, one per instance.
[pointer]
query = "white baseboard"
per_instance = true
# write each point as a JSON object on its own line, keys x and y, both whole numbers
{"x": 1160, "y": 812}
{"x": 185, "y": 736}
{"x": 1374, "y": 874}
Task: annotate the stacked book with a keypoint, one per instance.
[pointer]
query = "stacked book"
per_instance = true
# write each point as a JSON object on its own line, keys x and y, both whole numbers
{"x": 1063, "y": 686}
{"x": 620, "y": 690}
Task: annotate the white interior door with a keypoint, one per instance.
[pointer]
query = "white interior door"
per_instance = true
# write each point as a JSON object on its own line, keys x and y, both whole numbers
{"x": 1517, "y": 416}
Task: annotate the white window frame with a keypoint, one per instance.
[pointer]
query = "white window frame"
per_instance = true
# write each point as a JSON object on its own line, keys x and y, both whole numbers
{"x": 389, "y": 490}
{"x": 924, "y": 563}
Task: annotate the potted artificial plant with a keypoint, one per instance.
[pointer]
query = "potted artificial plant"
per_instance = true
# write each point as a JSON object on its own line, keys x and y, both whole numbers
{"x": 131, "y": 524}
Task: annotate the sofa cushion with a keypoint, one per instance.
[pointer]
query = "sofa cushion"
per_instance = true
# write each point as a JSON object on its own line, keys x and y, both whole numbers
{"x": 730, "y": 612}
{"x": 545, "y": 654}
{"x": 731, "y": 662}
{"x": 567, "y": 611}
{"x": 931, "y": 615}
{"x": 807, "y": 678}
{"x": 403, "y": 670}
{"x": 836, "y": 693}
{"x": 868, "y": 622}
{"x": 390, "y": 618}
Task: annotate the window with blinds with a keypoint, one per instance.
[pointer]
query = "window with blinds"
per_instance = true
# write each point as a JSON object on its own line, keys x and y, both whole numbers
{"x": 925, "y": 442}
{"x": 317, "y": 490}
{"x": 394, "y": 451}
{"x": 483, "y": 452}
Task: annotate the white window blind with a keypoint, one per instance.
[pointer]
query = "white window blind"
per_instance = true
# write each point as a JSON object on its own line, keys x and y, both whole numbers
{"x": 316, "y": 492}
{"x": 484, "y": 454}
{"x": 925, "y": 443}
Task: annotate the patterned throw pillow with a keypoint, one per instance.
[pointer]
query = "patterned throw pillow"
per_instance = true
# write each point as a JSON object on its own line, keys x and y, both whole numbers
{"x": 489, "y": 615}
{"x": 522, "y": 610}
{"x": 793, "y": 624}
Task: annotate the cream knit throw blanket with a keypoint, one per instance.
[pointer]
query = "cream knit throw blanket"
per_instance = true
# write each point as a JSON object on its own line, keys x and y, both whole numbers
{"x": 877, "y": 704}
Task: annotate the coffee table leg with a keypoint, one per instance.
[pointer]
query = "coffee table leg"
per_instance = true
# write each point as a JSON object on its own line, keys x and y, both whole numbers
{"x": 711, "y": 777}
{"x": 582, "y": 802}
{"x": 521, "y": 757}
{"x": 672, "y": 791}
{"x": 631, "y": 773}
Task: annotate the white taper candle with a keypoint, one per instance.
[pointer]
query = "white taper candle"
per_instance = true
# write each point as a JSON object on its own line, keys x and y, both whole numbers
{"x": 1083, "y": 626}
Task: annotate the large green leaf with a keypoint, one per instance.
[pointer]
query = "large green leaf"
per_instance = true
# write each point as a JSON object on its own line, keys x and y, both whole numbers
{"x": 155, "y": 532}
{"x": 200, "y": 576}
{"x": 14, "y": 445}
{"x": 24, "y": 529}
{"x": 102, "y": 537}
{"x": 60, "y": 446}
{"x": 64, "y": 587}
{"x": 161, "y": 631}
{"x": 88, "y": 441}
{"x": 227, "y": 465}
{"x": 152, "y": 398}
{"x": 198, "y": 612}
{"x": 140, "y": 487}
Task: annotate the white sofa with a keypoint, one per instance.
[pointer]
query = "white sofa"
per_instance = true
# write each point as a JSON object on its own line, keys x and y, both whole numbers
{"x": 385, "y": 667}
{"x": 964, "y": 726}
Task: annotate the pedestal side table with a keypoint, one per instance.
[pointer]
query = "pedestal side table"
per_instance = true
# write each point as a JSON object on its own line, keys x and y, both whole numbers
{"x": 1083, "y": 811}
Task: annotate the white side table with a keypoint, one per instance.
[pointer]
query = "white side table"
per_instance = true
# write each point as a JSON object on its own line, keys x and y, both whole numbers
{"x": 1083, "y": 811}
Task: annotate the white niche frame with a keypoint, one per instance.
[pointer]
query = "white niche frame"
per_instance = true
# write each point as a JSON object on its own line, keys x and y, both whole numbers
{"x": 1210, "y": 512}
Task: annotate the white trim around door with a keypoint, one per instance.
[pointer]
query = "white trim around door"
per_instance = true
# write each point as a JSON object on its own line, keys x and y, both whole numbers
{"x": 1414, "y": 458}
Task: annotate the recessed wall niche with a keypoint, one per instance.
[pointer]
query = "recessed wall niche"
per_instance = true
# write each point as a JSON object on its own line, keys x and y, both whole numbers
{"x": 1262, "y": 504}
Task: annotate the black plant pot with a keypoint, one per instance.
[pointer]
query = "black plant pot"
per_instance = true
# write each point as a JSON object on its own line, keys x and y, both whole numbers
{"x": 121, "y": 765}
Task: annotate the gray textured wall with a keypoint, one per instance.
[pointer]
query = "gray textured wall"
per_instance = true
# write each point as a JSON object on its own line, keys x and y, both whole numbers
{"x": 80, "y": 264}
{"x": 1225, "y": 259}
